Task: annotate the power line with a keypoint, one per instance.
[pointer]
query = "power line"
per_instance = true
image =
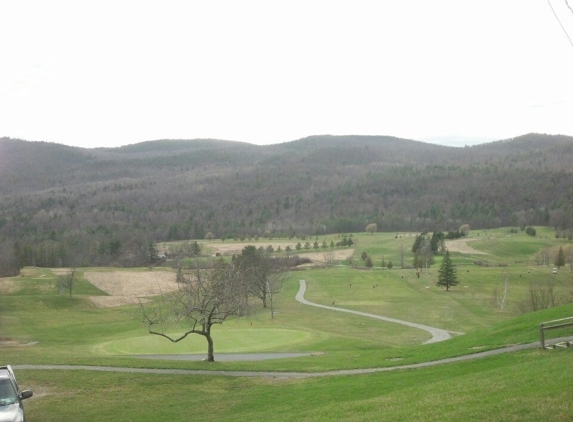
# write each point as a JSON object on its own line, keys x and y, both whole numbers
{"x": 567, "y": 3}
{"x": 560, "y": 24}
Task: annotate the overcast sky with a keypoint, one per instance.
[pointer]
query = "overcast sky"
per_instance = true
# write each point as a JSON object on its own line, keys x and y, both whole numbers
{"x": 111, "y": 73}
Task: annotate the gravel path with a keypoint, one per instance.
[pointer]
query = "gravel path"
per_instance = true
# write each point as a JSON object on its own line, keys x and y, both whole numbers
{"x": 437, "y": 333}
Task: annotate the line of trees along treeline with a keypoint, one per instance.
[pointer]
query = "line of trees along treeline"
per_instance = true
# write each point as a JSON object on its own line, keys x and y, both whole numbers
{"x": 70, "y": 206}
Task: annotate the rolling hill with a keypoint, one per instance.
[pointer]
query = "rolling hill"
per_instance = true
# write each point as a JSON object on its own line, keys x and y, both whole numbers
{"x": 61, "y": 204}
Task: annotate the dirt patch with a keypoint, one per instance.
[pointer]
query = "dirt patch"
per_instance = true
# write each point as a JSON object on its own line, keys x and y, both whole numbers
{"x": 132, "y": 287}
{"x": 8, "y": 286}
{"x": 61, "y": 271}
{"x": 318, "y": 257}
{"x": 126, "y": 287}
{"x": 28, "y": 272}
{"x": 111, "y": 301}
{"x": 461, "y": 245}
{"x": 10, "y": 342}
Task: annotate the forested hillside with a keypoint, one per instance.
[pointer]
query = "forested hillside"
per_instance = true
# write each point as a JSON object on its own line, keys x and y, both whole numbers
{"x": 62, "y": 205}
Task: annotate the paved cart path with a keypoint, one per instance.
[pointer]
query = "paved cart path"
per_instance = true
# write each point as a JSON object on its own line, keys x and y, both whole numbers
{"x": 437, "y": 333}
{"x": 267, "y": 374}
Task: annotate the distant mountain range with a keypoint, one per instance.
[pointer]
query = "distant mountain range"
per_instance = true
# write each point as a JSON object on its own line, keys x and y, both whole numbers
{"x": 82, "y": 200}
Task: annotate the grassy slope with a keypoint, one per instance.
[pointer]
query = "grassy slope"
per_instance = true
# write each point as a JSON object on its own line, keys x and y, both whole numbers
{"x": 528, "y": 386}
{"x": 497, "y": 388}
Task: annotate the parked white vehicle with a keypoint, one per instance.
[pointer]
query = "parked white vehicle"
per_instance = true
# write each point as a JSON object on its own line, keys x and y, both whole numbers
{"x": 11, "y": 407}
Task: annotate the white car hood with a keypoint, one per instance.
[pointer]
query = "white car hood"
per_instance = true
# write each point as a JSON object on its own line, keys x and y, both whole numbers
{"x": 11, "y": 413}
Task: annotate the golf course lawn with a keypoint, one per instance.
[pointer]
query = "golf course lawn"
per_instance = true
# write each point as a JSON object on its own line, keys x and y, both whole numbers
{"x": 40, "y": 326}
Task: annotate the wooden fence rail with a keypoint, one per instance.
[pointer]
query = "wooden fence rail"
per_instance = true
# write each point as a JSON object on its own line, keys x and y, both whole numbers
{"x": 552, "y": 325}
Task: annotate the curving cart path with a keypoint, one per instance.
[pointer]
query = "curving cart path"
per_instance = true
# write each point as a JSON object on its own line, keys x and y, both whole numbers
{"x": 296, "y": 375}
{"x": 437, "y": 333}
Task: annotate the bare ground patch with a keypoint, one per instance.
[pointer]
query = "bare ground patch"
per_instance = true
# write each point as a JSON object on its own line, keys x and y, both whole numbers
{"x": 8, "y": 286}
{"x": 127, "y": 287}
{"x": 12, "y": 285}
{"x": 112, "y": 301}
{"x": 315, "y": 257}
{"x": 61, "y": 271}
{"x": 461, "y": 245}
{"x": 319, "y": 257}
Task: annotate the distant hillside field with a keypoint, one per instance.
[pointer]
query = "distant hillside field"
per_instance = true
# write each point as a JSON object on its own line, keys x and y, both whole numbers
{"x": 67, "y": 206}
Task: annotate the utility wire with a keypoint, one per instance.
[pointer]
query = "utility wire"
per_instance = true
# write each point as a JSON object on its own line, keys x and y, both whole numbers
{"x": 567, "y": 3}
{"x": 560, "y": 24}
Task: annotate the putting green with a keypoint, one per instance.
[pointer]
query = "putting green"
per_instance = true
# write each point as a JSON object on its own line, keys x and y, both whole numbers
{"x": 226, "y": 341}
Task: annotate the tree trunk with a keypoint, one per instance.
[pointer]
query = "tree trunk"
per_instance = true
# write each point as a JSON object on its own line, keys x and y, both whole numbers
{"x": 210, "y": 349}
{"x": 265, "y": 295}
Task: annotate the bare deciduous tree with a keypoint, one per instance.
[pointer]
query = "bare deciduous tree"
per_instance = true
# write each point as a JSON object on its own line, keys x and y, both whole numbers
{"x": 255, "y": 267}
{"x": 67, "y": 282}
{"x": 274, "y": 286}
{"x": 541, "y": 296}
{"x": 329, "y": 258}
{"x": 501, "y": 296}
{"x": 371, "y": 228}
{"x": 207, "y": 296}
{"x": 465, "y": 229}
{"x": 543, "y": 257}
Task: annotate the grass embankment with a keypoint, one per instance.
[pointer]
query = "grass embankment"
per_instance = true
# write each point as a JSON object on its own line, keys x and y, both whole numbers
{"x": 526, "y": 386}
{"x": 520, "y": 386}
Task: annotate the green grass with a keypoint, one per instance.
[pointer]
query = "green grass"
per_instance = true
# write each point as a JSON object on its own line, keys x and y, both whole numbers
{"x": 236, "y": 340}
{"x": 524, "y": 386}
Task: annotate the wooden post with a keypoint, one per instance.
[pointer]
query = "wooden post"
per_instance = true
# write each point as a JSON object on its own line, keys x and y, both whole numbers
{"x": 541, "y": 336}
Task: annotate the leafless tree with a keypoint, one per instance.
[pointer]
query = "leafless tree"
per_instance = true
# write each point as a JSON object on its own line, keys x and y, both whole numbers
{"x": 402, "y": 253}
{"x": 262, "y": 273}
{"x": 465, "y": 229}
{"x": 541, "y": 296}
{"x": 329, "y": 258}
{"x": 423, "y": 257}
{"x": 208, "y": 295}
{"x": 570, "y": 258}
{"x": 501, "y": 296}
{"x": 67, "y": 282}
{"x": 371, "y": 228}
{"x": 543, "y": 257}
{"x": 274, "y": 286}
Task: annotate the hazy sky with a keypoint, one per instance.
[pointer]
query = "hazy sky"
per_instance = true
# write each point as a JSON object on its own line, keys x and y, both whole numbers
{"x": 110, "y": 73}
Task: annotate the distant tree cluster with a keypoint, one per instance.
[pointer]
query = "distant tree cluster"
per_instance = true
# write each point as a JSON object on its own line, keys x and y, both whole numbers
{"x": 425, "y": 247}
{"x": 346, "y": 242}
{"x": 545, "y": 294}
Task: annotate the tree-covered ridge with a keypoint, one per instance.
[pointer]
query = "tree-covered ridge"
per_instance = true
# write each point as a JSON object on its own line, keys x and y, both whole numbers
{"x": 89, "y": 201}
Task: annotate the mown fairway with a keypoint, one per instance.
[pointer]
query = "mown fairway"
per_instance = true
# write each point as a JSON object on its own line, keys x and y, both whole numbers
{"x": 524, "y": 386}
